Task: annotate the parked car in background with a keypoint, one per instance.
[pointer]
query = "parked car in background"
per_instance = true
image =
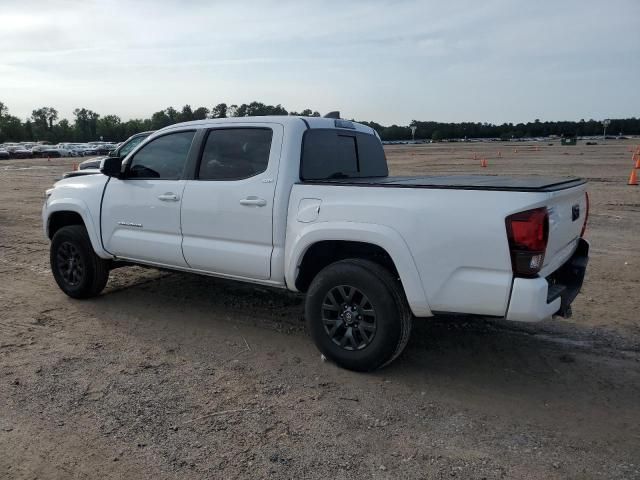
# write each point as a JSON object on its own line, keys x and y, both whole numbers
{"x": 11, "y": 147}
{"x": 4, "y": 155}
{"x": 89, "y": 150}
{"x": 121, "y": 151}
{"x": 21, "y": 152}
{"x": 56, "y": 151}
{"x": 38, "y": 148}
{"x": 105, "y": 149}
{"x": 78, "y": 149}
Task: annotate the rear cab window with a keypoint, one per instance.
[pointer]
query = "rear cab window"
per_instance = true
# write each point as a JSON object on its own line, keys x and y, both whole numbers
{"x": 334, "y": 153}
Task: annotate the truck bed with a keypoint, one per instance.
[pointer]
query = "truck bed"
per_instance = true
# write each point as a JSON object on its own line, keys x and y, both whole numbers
{"x": 461, "y": 182}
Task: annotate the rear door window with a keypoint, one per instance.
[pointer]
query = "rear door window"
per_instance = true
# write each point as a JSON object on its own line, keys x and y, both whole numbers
{"x": 235, "y": 153}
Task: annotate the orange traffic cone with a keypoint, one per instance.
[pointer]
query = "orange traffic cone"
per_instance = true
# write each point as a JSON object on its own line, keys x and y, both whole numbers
{"x": 483, "y": 163}
{"x": 637, "y": 165}
{"x": 633, "y": 178}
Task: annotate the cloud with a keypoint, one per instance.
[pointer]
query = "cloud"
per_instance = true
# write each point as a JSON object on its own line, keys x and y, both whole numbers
{"x": 391, "y": 61}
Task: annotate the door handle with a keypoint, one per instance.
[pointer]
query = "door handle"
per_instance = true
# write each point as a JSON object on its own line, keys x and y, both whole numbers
{"x": 168, "y": 197}
{"x": 253, "y": 202}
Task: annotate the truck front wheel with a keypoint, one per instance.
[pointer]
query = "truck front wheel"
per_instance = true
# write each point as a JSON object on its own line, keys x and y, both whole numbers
{"x": 78, "y": 271}
{"x": 357, "y": 314}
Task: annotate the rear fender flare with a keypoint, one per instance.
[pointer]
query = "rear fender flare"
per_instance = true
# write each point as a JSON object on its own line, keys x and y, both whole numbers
{"x": 382, "y": 236}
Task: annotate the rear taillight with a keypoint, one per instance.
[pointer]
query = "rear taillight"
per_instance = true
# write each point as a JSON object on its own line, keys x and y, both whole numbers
{"x": 586, "y": 215}
{"x": 528, "y": 233}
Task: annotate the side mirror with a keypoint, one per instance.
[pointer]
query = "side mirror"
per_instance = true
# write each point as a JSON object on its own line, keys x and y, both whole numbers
{"x": 112, "y": 167}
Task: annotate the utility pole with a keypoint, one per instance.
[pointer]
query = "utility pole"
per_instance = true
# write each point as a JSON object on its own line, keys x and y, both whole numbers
{"x": 605, "y": 124}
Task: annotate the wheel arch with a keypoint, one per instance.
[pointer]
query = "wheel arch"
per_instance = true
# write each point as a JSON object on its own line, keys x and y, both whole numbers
{"x": 61, "y": 214}
{"x": 318, "y": 245}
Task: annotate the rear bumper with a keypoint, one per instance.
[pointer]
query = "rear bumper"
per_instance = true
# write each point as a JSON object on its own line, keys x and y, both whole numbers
{"x": 535, "y": 299}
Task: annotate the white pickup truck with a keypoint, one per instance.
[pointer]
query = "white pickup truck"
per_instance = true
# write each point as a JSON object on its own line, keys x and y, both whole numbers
{"x": 306, "y": 204}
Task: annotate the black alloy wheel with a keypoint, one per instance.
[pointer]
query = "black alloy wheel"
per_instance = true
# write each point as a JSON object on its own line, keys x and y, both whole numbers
{"x": 349, "y": 317}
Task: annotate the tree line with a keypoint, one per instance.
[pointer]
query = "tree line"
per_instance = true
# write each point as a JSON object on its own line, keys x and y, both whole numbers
{"x": 44, "y": 124}
{"x": 506, "y": 131}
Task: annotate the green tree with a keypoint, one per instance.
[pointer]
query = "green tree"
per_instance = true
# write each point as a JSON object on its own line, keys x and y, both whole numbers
{"x": 173, "y": 115}
{"x": 109, "y": 127}
{"x": 85, "y": 124}
{"x": 52, "y": 116}
{"x": 259, "y": 109}
{"x": 160, "y": 120}
{"x": 62, "y": 131}
{"x": 43, "y": 119}
{"x": 186, "y": 115}
{"x": 307, "y": 112}
{"x": 28, "y": 130}
{"x": 11, "y": 129}
{"x": 40, "y": 118}
{"x": 135, "y": 125}
{"x": 220, "y": 111}
{"x": 200, "y": 113}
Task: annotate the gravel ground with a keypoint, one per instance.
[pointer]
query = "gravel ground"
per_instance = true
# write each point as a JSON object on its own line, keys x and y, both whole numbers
{"x": 168, "y": 375}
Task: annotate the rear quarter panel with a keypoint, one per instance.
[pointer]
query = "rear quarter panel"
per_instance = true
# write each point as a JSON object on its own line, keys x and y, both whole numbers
{"x": 456, "y": 239}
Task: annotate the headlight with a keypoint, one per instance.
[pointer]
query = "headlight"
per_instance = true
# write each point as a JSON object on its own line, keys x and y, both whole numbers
{"x": 47, "y": 194}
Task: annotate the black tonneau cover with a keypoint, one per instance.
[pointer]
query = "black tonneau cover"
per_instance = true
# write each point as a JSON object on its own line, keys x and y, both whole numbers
{"x": 461, "y": 182}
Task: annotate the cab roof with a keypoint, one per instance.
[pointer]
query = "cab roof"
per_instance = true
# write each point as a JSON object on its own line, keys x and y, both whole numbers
{"x": 285, "y": 120}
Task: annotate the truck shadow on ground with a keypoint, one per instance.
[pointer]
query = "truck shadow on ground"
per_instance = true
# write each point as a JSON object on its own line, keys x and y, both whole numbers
{"x": 489, "y": 349}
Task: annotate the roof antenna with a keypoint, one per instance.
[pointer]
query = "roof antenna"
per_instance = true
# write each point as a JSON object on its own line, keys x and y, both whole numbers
{"x": 335, "y": 114}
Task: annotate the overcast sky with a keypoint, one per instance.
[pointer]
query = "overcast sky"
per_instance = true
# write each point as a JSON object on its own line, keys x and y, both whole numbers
{"x": 388, "y": 61}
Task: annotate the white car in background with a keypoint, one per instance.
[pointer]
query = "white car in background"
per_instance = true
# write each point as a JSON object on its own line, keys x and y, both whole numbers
{"x": 78, "y": 149}
{"x": 57, "y": 151}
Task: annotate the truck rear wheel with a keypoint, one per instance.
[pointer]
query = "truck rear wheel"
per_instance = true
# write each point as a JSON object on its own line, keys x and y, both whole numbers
{"x": 78, "y": 271}
{"x": 357, "y": 314}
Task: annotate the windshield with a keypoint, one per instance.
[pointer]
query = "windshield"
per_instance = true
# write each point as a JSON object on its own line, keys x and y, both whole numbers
{"x": 124, "y": 150}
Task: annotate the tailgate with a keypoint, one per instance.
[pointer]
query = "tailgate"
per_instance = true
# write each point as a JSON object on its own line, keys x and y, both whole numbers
{"x": 567, "y": 212}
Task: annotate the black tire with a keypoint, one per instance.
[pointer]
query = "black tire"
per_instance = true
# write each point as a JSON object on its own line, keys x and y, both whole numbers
{"x": 388, "y": 327}
{"x": 78, "y": 271}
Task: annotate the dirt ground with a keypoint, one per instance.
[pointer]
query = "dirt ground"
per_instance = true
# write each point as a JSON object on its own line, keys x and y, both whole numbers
{"x": 168, "y": 375}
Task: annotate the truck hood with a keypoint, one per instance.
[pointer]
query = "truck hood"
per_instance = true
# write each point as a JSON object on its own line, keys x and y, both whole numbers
{"x": 79, "y": 173}
{"x": 86, "y": 181}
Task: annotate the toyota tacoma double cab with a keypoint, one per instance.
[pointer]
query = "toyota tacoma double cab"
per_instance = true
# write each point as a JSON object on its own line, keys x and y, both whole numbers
{"x": 307, "y": 204}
